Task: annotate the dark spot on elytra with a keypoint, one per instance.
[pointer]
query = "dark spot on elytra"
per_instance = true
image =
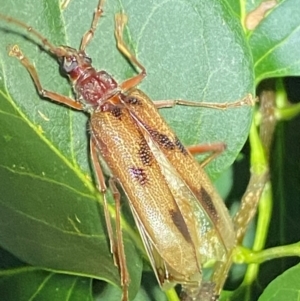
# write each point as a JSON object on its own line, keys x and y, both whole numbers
{"x": 116, "y": 112}
{"x": 162, "y": 139}
{"x": 145, "y": 153}
{"x": 180, "y": 146}
{"x": 139, "y": 174}
{"x": 205, "y": 197}
{"x": 132, "y": 100}
{"x": 180, "y": 224}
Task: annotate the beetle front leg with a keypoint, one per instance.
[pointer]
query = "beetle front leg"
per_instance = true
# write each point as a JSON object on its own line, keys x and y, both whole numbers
{"x": 88, "y": 36}
{"x": 120, "y": 22}
{"x": 16, "y": 52}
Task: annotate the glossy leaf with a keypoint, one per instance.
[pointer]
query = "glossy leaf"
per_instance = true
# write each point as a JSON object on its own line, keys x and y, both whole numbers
{"x": 36, "y": 285}
{"x": 284, "y": 287}
{"x": 50, "y": 215}
{"x": 275, "y": 42}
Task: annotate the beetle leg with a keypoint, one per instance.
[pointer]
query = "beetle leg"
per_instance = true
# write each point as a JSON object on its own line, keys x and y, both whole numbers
{"x": 120, "y": 22}
{"x": 102, "y": 188}
{"x": 170, "y": 103}
{"x": 16, "y": 52}
{"x": 216, "y": 149}
{"x": 125, "y": 279}
{"x": 64, "y": 4}
{"x": 88, "y": 36}
{"x": 116, "y": 245}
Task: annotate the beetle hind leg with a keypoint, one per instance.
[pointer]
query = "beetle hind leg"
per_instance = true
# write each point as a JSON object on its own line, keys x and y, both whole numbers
{"x": 116, "y": 243}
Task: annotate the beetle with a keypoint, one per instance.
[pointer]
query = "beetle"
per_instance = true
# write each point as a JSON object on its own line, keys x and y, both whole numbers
{"x": 167, "y": 189}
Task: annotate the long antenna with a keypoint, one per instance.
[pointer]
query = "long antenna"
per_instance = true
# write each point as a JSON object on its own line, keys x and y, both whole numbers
{"x": 58, "y": 51}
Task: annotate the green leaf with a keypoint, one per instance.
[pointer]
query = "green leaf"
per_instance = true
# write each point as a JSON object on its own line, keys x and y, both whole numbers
{"x": 284, "y": 287}
{"x": 201, "y": 55}
{"x": 149, "y": 291}
{"x": 31, "y": 284}
{"x": 275, "y": 42}
{"x": 49, "y": 210}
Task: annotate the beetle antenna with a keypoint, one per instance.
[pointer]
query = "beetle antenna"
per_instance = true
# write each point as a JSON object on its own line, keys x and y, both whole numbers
{"x": 58, "y": 51}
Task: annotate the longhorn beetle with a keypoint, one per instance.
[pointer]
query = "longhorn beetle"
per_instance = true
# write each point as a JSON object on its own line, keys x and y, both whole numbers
{"x": 184, "y": 225}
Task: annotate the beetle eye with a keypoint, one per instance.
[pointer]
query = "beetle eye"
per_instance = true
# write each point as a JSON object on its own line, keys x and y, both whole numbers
{"x": 88, "y": 60}
{"x": 69, "y": 64}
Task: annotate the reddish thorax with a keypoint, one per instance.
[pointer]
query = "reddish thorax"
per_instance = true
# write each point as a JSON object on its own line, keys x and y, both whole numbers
{"x": 93, "y": 88}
